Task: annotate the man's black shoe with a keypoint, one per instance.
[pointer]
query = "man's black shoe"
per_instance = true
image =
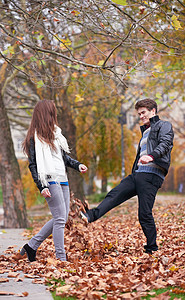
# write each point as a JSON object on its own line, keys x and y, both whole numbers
{"x": 148, "y": 251}
{"x": 84, "y": 217}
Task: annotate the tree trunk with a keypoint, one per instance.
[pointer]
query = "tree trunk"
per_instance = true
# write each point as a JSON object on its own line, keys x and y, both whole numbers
{"x": 104, "y": 185}
{"x": 67, "y": 125}
{"x": 15, "y": 215}
{"x": 92, "y": 174}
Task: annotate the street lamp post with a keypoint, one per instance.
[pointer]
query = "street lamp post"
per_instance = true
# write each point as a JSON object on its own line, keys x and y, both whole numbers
{"x": 122, "y": 120}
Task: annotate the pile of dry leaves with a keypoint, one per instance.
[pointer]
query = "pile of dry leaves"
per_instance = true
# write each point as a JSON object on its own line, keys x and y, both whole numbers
{"x": 107, "y": 256}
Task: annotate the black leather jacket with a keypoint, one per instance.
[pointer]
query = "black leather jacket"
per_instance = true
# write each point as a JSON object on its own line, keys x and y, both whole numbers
{"x": 68, "y": 161}
{"x": 159, "y": 143}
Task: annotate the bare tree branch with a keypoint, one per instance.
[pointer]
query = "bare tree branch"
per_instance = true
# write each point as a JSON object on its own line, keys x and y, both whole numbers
{"x": 18, "y": 122}
{"x": 124, "y": 39}
{"x": 36, "y": 48}
{"x": 181, "y": 3}
{"x": 137, "y": 22}
{"x": 11, "y": 77}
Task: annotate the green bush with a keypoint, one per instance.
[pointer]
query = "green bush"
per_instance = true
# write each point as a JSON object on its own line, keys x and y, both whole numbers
{"x": 96, "y": 198}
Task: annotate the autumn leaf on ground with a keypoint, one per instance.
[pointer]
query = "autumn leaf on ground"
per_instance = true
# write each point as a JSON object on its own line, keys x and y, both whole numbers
{"x": 107, "y": 257}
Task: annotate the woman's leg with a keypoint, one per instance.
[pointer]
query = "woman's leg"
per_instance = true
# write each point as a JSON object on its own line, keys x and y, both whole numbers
{"x": 44, "y": 233}
{"x": 66, "y": 193}
{"x": 59, "y": 207}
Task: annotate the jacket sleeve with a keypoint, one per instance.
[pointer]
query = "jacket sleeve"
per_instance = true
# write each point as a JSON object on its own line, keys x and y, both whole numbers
{"x": 165, "y": 141}
{"x": 33, "y": 165}
{"x": 70, "y": 162}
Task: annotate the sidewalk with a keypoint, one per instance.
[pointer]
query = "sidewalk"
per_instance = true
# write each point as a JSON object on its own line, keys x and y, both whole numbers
{"x": 13, "y": 237}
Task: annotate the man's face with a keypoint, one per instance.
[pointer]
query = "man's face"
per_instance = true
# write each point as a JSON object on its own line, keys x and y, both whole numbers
{"x": 145, "y": 115}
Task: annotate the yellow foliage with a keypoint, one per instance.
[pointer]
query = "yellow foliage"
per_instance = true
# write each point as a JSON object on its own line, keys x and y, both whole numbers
{"x": 175, "y": 22}
{"x": 78, "y": 98}
{"x": 100, "y": 63}
{"x": 129, "y": 150}
{"x": 30, "y": 189}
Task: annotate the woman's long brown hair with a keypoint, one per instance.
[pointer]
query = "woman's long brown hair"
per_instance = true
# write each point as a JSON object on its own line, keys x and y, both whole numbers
{"x": 43, "y": 121}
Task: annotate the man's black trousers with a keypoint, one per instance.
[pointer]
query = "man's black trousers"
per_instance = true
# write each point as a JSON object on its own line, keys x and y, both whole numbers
{"x": 145, "y": 186}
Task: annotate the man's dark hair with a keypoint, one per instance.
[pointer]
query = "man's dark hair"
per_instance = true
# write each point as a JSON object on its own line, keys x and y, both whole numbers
{"x": 148, "y": 103}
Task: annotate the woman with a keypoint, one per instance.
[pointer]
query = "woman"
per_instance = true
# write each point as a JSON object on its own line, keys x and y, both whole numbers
{"x": 47, "y": 150}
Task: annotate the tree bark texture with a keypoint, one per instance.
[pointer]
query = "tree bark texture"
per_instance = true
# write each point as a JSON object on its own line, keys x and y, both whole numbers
{"x": 104, "y": 185}
{"x": 92, "y": 174}
{"x": 15, "y": 215}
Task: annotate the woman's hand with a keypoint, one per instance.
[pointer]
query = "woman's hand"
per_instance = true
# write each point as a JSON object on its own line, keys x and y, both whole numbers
{"x": 82, "y": 168}
{"x": 46, "y": 193}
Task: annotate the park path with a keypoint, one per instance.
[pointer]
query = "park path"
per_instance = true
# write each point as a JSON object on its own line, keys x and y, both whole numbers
{"x": 15, "y": 238}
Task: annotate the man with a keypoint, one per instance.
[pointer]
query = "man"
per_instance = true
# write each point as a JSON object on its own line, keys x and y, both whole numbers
{"x": 149, "y": 170}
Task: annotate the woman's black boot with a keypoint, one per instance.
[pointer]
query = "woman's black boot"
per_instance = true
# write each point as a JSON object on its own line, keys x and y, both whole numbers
{"x": 31, "y": 254}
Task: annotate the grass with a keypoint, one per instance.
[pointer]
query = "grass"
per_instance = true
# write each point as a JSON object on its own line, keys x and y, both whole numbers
{"x": 173, "y": 295}
{"x": 59, "y": 297}
{"x": 53, "y": 293}
{"x": 170, "y": 193}
{"x": 161, "y": 291}
{"x": 148, "y": 297}
{"x": 98, "y": 197}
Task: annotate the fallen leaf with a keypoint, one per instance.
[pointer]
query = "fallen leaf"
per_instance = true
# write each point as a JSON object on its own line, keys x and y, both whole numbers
{"x": 108, "y": 256}
{"x": 13, "y": 274}
{"x": 4, "y": 279}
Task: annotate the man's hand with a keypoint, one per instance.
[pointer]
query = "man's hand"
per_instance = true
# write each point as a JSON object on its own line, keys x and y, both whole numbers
{"x": 46, "y": 193}
{"x": 82, "y": 168}
{"x": 145, "y": 159}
